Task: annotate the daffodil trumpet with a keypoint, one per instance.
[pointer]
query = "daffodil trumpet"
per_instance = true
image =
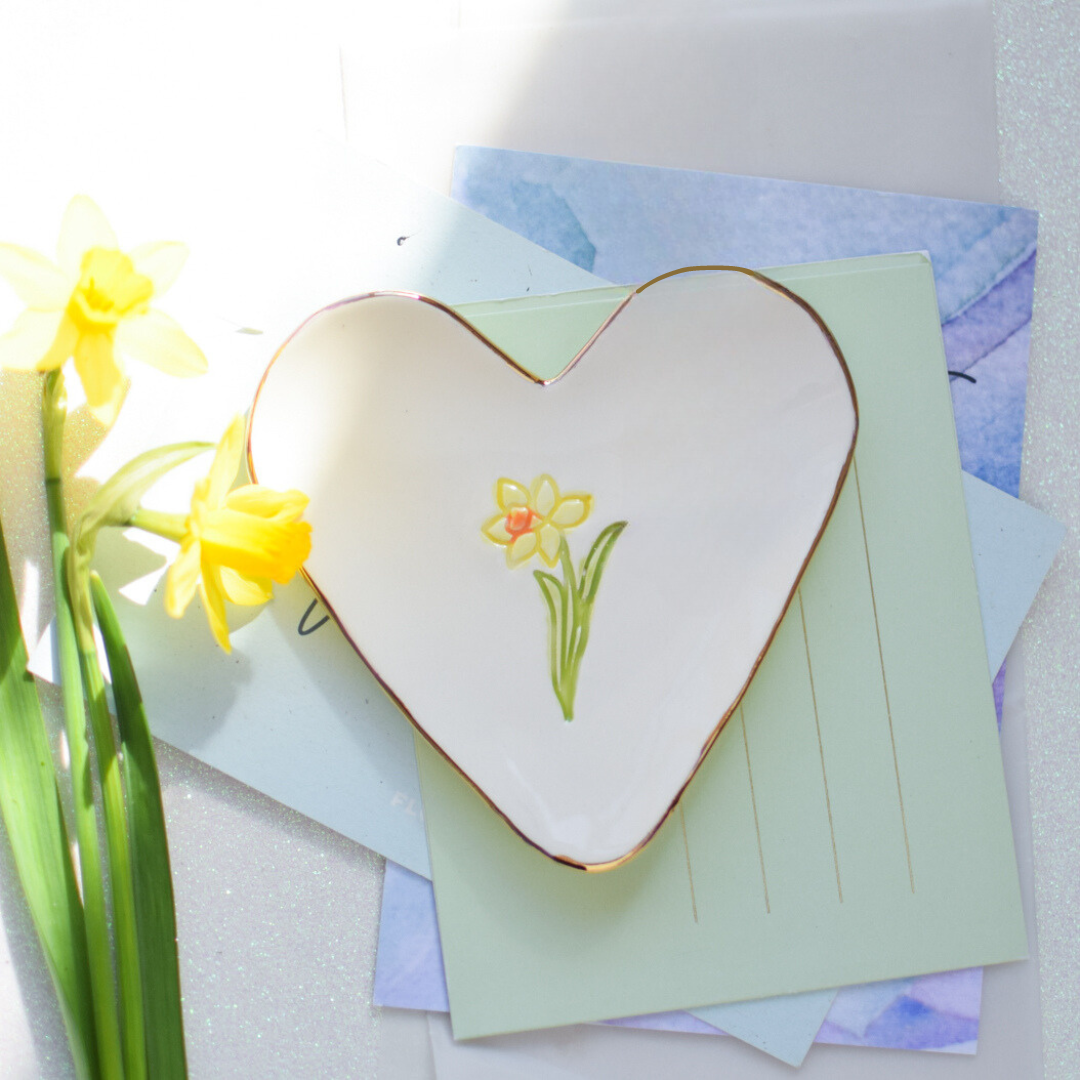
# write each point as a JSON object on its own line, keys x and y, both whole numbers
{"x": 234, "y": 543}
{"x": 533, "y": 521}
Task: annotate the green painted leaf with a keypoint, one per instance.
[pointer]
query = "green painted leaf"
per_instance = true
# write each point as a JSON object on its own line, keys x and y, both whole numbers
{"x": 593, "y": 565}
{"x": 559, "y": 628}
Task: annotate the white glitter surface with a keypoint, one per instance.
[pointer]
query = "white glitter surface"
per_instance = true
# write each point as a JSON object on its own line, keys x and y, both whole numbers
{"x": 1038, "y": 65}
{"x": 278, "y": 920}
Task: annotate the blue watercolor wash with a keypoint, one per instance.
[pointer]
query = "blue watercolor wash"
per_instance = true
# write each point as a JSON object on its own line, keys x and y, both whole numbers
{"x": 910, "y": 1025}
{"x": 539, "y": 213}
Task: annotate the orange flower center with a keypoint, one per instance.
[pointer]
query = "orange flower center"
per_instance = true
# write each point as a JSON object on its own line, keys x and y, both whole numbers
{"x": 520, "y": 520}
{"x": 109, "y": 289}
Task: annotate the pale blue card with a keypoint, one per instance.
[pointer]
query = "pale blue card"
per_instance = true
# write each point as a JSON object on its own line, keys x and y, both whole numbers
{"x": 782, "y": 1026}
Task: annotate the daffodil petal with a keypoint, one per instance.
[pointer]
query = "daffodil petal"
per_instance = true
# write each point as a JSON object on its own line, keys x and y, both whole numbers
{"x": 248, "y": 592}
{"x": 160, "y": 261}
{"x": 84, "y": 227}
{"x": 182, "y": 579}
{"x": 213, "y": 598}
{"x": 226, "y": 462}
{"x": 255, "y": 546}
{"x": 496, "y": 531}
{"x": 545, "y": 495}
{"x": 101, "y": 376}
{"x": 63, "y": 345}
{"x": 36, "y": 281}
{"x": 28, "y": 342}
{"x": 265, "y": 502}
{"x": 158, "y": 340}
{"x": 549, "y": 544}
{"x": 521, "y": 549}
{"x": 509, "y": 493}
{"x": 572, "y": 510}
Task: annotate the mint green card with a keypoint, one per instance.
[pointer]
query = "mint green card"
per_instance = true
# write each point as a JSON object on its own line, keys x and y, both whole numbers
{"x": 850, "y": 824}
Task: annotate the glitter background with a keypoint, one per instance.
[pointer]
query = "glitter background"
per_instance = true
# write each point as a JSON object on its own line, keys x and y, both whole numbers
{"x": 1038, "y": 65}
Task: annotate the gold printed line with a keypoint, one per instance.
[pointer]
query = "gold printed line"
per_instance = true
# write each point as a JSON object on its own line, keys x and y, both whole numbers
{"x": 689, "y": 872}
{"x": 884, "y": 681}
{"x": 821, "y": 750}
{"x": 753, "y": 804}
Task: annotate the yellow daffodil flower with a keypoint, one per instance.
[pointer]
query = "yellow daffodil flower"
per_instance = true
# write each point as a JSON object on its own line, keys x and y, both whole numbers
{"x": 531, "y": 521}
{"x": 233, "y": 544}
{"x": 95, "y": 307}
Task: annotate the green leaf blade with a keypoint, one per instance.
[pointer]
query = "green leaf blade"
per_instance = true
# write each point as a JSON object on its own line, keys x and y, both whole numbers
{"x": 30, "y": 807}
{"x": 152, "y": 876}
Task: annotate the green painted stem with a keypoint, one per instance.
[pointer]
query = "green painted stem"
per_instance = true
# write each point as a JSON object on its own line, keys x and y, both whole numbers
{"x": 570, "y": 626}
{"x": 106, "y": 1020}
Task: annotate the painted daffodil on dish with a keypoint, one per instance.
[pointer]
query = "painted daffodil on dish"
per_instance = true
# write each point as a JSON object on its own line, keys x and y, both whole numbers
{"x": 532, "y": 520}
{"x": 233, "y": 544}
{"x": 93, "y": 306}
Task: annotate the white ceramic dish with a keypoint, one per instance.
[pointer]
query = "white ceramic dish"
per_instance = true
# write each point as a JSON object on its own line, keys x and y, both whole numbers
{"x": 696, "y": 446}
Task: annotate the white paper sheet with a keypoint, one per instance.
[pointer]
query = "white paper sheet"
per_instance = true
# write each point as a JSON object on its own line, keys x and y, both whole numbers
{"x": 888, "y": 94}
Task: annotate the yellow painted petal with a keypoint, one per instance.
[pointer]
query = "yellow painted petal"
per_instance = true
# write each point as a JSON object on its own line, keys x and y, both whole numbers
{"x": 265, "y": 502}
{"x": 549, "y": 544}
{"x": 509, "y": 493}
{"x": 158, "y": 340}
{"x": 248, "y": 592}
{"x": 495, "y": 530}
{"x": 213, "y": 597}
{"x": 571, "y": 511}
{"x": 545, "y": 495}
{"x": 521, "y": 549}
{"x": 102, "y": 379}
{"x": 226, "y": 462}
{"x": 182, "y": 579}
{"x": 160, "y": 261}
{"x": 37, "y": 282}
{"x": 28, "y": 342}
{"x": 84, "y": 227}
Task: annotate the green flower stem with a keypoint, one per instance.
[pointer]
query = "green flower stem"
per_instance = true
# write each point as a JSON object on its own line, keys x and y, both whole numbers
{"x": 171, "y": 526}
{"x": 106, "y": 1020}
{"x": 123, "y": 896}
{"x": 573, "y": 595}
{"x": 154, "y": 902}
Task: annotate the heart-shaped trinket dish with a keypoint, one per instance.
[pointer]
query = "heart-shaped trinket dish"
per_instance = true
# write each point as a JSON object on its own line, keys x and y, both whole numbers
{"x": 566, "y": 584}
